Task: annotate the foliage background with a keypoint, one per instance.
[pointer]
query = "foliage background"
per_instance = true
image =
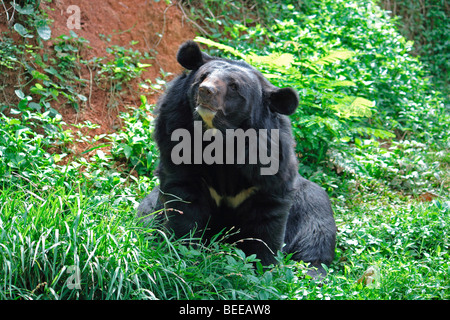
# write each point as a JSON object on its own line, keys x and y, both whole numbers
{"x": 427, "y": 24}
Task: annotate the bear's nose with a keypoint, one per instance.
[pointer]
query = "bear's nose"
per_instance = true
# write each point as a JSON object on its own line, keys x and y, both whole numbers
{"x": 206, "y": 91}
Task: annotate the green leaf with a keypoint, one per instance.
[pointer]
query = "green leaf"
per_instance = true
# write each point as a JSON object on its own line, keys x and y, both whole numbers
{"x": 35, "y": 106}
{"x": 143, "y": 100}
{"x": 81, "y": 97}
{"x": 335, "y": 56}
{"x": 44, "y": 32}
{"x": 362, "y": 103}
{"x": 143, "y": 65}
{"x": 13, "y": 122}
{"x": 341, "y": 83}
{"x": 377, "y": 133}
{"x": 28, "y": 9}
{"x": 54, "y": 72}
{"x": 359, "y": 107}
{"x": 58, "y": 157}
{"x": 19, "y": 93}
{"x": 274, "y": 59}
{"x": 272, "y": 76}
{"x": 39, "y": 76}
{"x": 22, "y": 104}
{"x": 22, "y": 31}
{"x": 101, "y": 154}
{"x": 127, "y": 151}
{"x": 220, "y": 46}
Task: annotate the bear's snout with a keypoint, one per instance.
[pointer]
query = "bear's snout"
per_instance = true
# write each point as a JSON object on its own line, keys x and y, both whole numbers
{"x": 206, "y": 95}
{"x": 206, "y": 90}
{"x": 211, "y": 93}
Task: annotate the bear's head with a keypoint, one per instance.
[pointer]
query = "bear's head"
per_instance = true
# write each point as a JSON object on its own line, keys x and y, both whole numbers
{"x": 226, "y": 93}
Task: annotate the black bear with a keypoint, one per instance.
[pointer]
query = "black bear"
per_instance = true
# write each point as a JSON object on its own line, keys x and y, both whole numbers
{"x": 206, "y": 187}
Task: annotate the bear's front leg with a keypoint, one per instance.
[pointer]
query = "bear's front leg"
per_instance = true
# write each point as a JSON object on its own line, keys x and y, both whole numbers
{"x": 186, "y": 208}
{"x": 263, "y": 233}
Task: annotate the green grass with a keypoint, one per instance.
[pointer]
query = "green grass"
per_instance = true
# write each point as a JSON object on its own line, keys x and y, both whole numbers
{"x": 44, "y": 233}
{"x": 408, "y": 243}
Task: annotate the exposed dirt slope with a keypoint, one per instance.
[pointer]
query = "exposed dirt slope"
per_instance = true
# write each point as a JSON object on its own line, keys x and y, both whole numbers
{"x": 159, "y": 29}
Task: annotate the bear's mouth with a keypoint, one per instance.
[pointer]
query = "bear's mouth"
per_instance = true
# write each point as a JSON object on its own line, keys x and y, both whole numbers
{"x": 206, "y": 106}
{"x": 207, "y": 114}
{"x": 206, "y": 103}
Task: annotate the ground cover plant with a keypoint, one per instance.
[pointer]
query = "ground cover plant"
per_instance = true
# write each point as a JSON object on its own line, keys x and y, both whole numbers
{"x": 371, "y": 129}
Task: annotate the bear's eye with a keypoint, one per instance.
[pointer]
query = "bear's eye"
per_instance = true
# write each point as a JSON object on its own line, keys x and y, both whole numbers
{"x": 203, "y": 77}
{"x": 233, "y": 86}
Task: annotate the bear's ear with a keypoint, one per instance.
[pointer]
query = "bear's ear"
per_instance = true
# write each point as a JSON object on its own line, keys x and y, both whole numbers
{"x": 190, "y": 56}
{"x": 283, "y": 101}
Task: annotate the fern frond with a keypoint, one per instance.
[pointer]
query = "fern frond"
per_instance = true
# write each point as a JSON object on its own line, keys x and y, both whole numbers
{"x": 223, "y": 47}
{"x": 274, "y": 59}
{"x": 359, "y": 107}
{"x": 377, "y": 133}
{"x": 341, "y": 83}
{"x": 335, "y": 56}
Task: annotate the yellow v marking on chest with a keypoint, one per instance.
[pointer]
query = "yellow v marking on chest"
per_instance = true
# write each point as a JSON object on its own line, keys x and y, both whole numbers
{"x": 232, "y": 201}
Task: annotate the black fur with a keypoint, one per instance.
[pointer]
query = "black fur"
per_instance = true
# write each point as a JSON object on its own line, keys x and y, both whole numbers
{"x": 280, "y": 208}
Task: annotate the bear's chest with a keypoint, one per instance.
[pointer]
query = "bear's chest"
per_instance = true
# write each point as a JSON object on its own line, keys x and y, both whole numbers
{"x": 232, "y": 201}
{"x": 227, "y": 186}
